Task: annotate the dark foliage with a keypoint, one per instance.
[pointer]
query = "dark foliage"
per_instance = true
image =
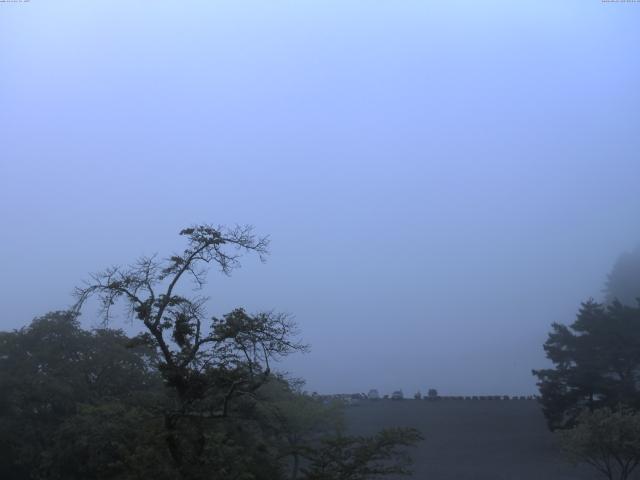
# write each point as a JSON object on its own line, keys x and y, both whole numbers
{"x": 358, "y": 458}
{"x": 53, "y": 371}
{"x": 596, "y": 363}
{"x": 210, "y": 366}
{"x": 607, "y": 440}
{"x": 190, "y": 398}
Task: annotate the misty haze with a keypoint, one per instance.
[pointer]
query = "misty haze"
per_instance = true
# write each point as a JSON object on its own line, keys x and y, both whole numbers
{"x": 320, "y": 240}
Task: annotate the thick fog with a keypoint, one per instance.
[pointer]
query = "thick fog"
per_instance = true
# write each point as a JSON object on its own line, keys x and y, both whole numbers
{"x": 440, "y": 180}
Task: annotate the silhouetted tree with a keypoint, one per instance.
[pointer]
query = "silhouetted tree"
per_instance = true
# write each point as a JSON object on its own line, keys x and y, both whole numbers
{"x": 49, "y": 372}
{"x": 207, "y": 364}
{"x": 91, "y": 405}
{"x": 220, "y": 419}
{"x": 301, "y": 420}
{"x": 596, "y": 363}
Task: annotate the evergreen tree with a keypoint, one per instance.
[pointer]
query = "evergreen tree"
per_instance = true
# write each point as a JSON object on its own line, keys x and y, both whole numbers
{"x": 596, "y": 363}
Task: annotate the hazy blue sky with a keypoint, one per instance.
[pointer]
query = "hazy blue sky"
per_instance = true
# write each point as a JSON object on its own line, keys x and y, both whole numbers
{"x": 440, "y": 180}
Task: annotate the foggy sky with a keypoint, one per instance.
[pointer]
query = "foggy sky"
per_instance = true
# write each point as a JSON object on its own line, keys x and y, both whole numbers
{"x": 440, "y": 180}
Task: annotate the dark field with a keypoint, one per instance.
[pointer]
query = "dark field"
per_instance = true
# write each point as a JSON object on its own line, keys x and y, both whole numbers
{"x": 472, "y": 439}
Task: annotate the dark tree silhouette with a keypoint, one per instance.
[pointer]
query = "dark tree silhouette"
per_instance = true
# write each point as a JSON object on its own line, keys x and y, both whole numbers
{"x": 208, "y": 364}
{"x": 596, "y": 363}
{"x": 52, "y": 369}
{"x": 191, "y": 397}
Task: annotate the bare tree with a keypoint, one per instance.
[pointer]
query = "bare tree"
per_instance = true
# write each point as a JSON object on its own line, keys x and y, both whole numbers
{"x": 207, "y": 362}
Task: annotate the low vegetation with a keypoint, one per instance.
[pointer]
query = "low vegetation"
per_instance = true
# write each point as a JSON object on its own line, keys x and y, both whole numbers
{"x": 196, "y": 397}
{"x": 191, "y": 397}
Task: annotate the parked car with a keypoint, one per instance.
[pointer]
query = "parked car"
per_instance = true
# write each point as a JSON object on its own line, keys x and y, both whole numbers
{"x": 397, "y": 395}
{"x": 373, "y": 394}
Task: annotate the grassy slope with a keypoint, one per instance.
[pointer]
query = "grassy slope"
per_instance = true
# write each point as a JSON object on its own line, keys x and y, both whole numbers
{"x": 467, "y": 439}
